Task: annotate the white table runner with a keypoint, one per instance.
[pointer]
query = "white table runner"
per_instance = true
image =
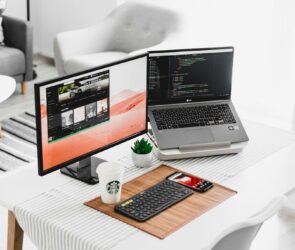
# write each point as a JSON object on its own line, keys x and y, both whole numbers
{"x": 58, "y": 220}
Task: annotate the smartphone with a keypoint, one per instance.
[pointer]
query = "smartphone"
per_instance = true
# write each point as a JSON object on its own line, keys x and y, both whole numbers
{"x": 192, "y": 182}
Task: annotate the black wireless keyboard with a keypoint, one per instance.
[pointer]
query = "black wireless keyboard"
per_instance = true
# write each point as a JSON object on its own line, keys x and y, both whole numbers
{"x": 198, "y": 116}
{"x": 153, "y": 200}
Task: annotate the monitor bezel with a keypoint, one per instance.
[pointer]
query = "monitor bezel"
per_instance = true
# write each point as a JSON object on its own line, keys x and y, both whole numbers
{"x": 193, "y": 99}
{"x": 37, "y": 86}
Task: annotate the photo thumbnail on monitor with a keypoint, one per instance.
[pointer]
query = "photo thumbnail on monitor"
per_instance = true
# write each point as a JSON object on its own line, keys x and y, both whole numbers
{"x": 79, "y": 114}
{"x": 90, "y": 110}
{"x": 72, "y": 106}
{"x": 67, "y": 118}
{"x": 102, "y": 107}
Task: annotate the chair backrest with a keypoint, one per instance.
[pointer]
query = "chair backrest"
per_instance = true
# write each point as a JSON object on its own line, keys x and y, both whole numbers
{"x": 241, "y": 235}
{"x": 138, "y": 25}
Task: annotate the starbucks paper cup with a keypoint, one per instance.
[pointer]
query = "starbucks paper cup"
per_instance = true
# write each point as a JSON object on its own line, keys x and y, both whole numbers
{"x": 110, "y": 176}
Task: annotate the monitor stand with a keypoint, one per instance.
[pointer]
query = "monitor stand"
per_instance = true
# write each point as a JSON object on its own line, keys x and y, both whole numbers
{"x": 84, "y": 170}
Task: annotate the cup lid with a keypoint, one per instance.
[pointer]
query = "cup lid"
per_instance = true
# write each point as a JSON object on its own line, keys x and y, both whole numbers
{"x": 110, "y": 167}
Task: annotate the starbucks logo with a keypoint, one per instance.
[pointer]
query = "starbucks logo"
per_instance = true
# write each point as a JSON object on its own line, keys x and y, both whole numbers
{"x": 113, "y": 187}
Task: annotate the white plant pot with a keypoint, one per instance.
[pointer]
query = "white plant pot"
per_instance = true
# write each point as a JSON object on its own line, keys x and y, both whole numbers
{"x": 142, "y": 160}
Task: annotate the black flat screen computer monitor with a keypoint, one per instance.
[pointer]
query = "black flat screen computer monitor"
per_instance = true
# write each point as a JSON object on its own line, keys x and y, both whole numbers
{"x": 82, "y": 114}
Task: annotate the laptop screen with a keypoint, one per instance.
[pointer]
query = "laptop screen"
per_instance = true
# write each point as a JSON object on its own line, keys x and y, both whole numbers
{"x": 191, "y": 75}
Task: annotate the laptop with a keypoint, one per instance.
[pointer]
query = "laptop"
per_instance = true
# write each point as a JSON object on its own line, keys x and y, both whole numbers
{"x": 189, "y": 99}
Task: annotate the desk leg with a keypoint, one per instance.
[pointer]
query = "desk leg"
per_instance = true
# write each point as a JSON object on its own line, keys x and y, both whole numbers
{"x": 15, "y": 233}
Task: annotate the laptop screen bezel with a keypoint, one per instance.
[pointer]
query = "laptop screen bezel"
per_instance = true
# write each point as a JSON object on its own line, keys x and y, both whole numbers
{"x": 154, "y": 102}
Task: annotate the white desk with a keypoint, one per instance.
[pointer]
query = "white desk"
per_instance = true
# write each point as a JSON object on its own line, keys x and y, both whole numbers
{"x": 31, "y": 185}
{"x": 256, "y": 186}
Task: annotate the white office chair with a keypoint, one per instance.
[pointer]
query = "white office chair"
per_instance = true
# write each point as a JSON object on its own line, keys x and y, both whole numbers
{"x": 241, "y": 235}
{"x": 132, "y": 28}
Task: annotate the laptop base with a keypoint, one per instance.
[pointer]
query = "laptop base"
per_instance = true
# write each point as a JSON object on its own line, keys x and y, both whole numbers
{"x": 176, "y": 154}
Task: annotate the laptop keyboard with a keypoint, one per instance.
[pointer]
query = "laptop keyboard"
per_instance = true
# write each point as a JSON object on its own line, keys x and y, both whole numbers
{"x": 198, "y": 116}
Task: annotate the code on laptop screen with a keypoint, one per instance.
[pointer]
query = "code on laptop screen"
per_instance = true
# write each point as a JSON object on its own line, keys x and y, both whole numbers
{"x": 185, "y": 76}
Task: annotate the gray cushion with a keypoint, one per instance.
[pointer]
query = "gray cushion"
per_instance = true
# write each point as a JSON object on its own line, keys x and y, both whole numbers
{"x": 83, "y": 62}
{"x": 2, "y": 8}
{"x": 141, "y": 25}
{"x": 12, "y": 61}
{"x": 18, "y": 34}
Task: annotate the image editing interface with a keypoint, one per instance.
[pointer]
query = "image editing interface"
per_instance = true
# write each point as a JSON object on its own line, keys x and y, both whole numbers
{"x": 91, "y": 111}
{"x": 183, "y": 76}
{"x": 77, "y": 105}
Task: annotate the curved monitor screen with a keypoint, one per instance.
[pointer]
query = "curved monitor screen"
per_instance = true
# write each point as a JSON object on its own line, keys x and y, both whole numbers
{"x": 90, "y": 111}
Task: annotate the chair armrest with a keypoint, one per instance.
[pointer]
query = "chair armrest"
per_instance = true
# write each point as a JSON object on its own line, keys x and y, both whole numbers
{"x": 19, "y": 34}
{"x": 93, "y": 39}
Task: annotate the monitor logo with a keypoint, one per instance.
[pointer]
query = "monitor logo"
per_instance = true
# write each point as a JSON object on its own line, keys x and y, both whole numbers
{"x": 188, "y": 100}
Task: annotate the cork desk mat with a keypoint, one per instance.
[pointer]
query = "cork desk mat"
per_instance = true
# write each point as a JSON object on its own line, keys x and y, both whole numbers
{"x": 172, "y": 218}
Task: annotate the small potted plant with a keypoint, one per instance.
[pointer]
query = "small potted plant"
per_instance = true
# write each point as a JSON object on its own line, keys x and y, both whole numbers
{"x": 142, "y": 153}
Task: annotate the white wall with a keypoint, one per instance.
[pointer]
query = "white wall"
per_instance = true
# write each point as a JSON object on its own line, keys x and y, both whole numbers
{"x": 16, "y": 8}
{"x": 52, "y": 16}
{"x": 264, "y": 38}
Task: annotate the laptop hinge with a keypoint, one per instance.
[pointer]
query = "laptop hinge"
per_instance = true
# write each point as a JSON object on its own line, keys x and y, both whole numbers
{"x": 188, "y": 103}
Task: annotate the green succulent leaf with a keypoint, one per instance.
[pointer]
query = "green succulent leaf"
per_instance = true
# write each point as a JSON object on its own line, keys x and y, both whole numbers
{"x": 142, "y": 146}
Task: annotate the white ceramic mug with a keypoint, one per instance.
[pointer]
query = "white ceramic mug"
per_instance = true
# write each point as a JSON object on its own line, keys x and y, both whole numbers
{"x": 110, "y": 176}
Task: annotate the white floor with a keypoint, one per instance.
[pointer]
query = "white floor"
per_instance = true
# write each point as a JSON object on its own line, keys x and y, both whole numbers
{"x": 276, "y": 234}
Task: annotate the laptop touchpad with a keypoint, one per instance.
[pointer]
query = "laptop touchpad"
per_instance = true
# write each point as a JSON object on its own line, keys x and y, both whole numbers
{"x": 198, "y": 136}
